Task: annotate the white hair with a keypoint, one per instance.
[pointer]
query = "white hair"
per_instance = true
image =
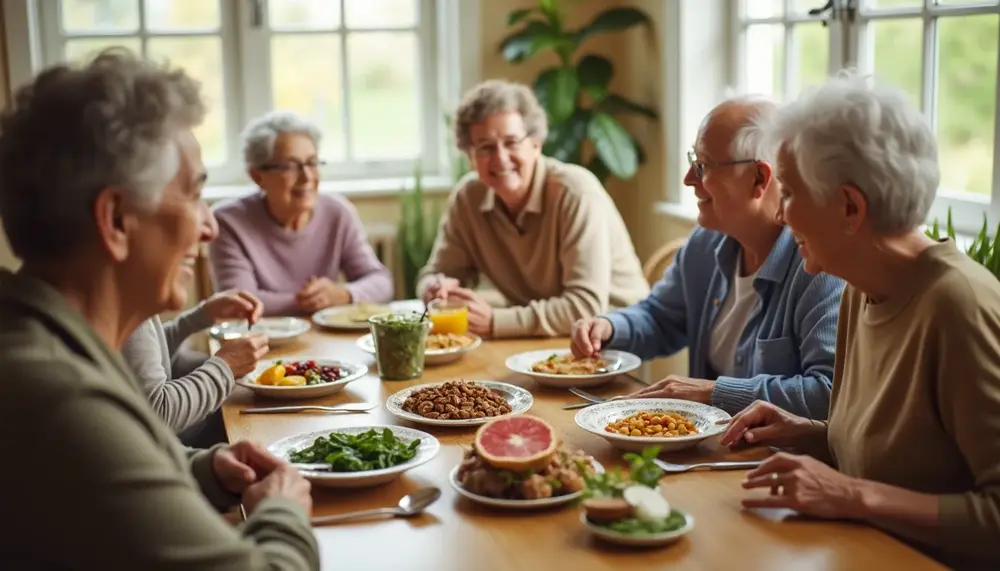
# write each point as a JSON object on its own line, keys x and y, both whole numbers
{"x": 750, "y": 139}
{"x": 849, "y": 132}
{"x": 74, "y": 131}
{"x": 260, "y": 134}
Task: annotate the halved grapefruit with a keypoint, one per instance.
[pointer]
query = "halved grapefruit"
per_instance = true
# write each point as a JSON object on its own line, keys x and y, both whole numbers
{"x": 516, "y": 443}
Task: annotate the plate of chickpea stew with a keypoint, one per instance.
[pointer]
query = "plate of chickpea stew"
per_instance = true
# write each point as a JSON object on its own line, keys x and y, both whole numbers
{"x": 635, "y": 424}
{"x": 459, "y": 402}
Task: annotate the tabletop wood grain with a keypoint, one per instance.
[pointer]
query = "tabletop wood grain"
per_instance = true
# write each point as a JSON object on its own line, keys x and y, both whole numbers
{"x": 458, "y": 535}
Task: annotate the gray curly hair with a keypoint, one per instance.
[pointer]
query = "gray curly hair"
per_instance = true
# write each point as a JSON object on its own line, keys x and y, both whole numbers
{"x": 497, "y": 96}
{"x": 260, "y": 134}
{"x": 74, "y": 131}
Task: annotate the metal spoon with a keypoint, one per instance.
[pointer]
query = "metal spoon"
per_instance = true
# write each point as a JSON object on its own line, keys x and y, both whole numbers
{"x": 345, "y": 407}
{"x": 409, "y": 506}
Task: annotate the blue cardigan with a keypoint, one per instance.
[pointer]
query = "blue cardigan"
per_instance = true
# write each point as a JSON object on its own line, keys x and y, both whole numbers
{"x": 785, "y": 355}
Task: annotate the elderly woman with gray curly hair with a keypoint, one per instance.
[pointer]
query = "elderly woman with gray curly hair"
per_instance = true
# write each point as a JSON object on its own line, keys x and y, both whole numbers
{"x": 544, "y": 233}
{"x": 100, "y": 197}
{"x": 912, "y": 443}
{"x": 288, "y": 244}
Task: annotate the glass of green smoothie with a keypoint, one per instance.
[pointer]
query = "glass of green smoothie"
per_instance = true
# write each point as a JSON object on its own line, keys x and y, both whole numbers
{"x": 400, "y": 341}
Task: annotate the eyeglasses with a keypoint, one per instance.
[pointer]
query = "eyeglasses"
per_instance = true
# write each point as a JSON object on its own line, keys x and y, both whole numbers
{"x": 511, "y": 145}
{"x": 293, "y": 167}
{"x": 699, "y": 167}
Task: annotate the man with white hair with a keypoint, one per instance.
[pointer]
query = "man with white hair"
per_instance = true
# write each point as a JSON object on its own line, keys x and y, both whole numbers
{"x": 757, "y": 326}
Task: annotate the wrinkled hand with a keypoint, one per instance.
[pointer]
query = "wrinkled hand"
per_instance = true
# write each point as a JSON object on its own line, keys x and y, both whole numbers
{"x": 242, "y": 464}
{"x": 480, "y": 312}
{"x": 234, "y": 305}
{"x": 320, "y": 293}
{"x": 806, "y": 485}
{"x": 764, "y": 423}
{"x": 589, "y": 335}
{"x": 441, "y": 288}
{"x": 676, "y": 387}
{"x": 284, "y": 482}
{"x": 243, "y": 354}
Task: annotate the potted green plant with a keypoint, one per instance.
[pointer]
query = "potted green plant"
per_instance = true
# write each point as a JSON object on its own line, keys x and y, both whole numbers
{"x": 985, "y": 249}
{"x": 576, "y": 92}
{"x": 416, "y": 232}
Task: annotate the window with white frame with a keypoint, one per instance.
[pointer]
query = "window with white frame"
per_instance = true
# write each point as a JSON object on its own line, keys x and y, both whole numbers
{"x": 368, "y": 72}
{"x": 943, "y": 53}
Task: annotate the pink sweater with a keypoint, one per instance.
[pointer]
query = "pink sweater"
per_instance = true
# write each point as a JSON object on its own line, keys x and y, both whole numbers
{"x": 254, "y": 253}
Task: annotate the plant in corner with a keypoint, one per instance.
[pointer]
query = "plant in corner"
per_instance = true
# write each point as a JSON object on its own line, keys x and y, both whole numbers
{"x": 416, "y": 232}
{"x": 576, "y": 93}
{"x": 985, "y": 249}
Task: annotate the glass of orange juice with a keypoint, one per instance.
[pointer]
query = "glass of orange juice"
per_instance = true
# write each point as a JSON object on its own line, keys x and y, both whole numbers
{"x": 448, "y": 316}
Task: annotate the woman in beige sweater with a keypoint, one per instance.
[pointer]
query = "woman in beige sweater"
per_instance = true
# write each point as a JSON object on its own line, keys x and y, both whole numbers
{"x": 912, "y": 443}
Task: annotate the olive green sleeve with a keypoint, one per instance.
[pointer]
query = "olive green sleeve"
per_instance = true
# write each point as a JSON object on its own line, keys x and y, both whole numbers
{"x": 120, "y": 501}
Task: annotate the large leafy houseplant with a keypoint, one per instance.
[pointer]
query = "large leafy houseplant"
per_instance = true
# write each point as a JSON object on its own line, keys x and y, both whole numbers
{"x": 985, "y": 249}
{"x": 576, "y": 92}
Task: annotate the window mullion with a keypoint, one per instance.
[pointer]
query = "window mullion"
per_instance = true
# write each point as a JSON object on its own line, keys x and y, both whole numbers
{"x": 929, "y": 74}
{"x": 345, "y": 90}
{"x": 995, "y": 194}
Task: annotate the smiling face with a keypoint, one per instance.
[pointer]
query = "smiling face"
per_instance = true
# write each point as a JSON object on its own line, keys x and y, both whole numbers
{"x": 503, "y": 154}
{"x": 729, "y": 195}
{"x": 818, "y": 228}
{"x": 163, "y": 243}
{"x": 290, "y": 180}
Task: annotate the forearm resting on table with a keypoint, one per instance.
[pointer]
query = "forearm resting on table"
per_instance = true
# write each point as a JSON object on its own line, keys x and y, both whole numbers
{"x": 882, "y": 502}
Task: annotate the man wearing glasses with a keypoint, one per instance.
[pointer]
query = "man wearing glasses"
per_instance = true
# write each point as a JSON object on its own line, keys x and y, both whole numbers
{"x": 737, "y": 296}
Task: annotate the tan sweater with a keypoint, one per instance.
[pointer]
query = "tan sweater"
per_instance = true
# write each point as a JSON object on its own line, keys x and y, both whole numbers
{"x": 566, "y": 256}
{"x": 93, "y": 478}
{"x": 916, "y": 399}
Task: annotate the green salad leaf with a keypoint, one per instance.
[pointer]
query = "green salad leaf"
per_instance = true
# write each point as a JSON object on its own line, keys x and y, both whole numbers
{"x": 612, "y": 483}
{"x": 370, "y": 450}
{"x": 636, "y": 526}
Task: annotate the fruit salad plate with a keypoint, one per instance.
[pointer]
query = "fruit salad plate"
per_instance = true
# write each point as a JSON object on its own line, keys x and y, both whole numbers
{"x": 322, "y": 377}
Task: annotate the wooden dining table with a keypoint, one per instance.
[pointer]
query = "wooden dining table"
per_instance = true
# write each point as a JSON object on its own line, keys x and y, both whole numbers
{"x": 455, "y": 534}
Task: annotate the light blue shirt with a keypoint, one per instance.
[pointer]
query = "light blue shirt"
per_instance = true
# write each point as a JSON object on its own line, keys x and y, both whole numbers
{"x": 785, "y": 354}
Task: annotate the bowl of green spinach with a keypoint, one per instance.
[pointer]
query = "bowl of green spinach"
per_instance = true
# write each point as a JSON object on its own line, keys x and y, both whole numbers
{"x": 358, "y": 456}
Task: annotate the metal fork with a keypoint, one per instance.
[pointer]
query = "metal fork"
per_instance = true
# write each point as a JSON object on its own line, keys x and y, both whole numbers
{"x": 590, "y": 398}
{"x": 678, "y": 468}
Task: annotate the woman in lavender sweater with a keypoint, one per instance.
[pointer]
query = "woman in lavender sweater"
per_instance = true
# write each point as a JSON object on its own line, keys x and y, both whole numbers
{"x": 288, "y": 245}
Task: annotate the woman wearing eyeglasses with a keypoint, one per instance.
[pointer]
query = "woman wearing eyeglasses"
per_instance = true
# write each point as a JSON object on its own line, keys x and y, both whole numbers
{"x": 756, "y": 325}
{"x": 544, "y": 233}
{"x": 288, "y": 244}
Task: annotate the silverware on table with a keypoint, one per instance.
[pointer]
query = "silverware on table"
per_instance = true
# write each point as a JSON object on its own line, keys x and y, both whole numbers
{"x": 346, "y": 407}
{"x": 610, "y": 367}
{"x": 678, "y": 468}
{"x": 409, "y": 505}
{"x": 590, "y": 398}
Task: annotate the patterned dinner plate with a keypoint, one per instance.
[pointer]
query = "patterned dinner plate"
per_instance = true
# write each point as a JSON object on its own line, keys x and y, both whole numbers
{"x": 520, "y": 400}
{"x": 523, "y": 362}
{"x": 595, "y": 418}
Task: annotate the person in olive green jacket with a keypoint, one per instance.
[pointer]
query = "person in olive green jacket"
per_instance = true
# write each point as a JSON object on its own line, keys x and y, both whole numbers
{"x": 100, "y": 197}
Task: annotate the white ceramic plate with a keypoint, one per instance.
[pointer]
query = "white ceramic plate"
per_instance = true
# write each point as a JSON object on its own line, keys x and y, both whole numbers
{"x": 516, "y": 504}
{"x": 348, "y": 316}
{"x": 431, "y": 356}
{"x": 639, "y": 540}
{"x": 279, "y": 330}
{"x": 594, "y": 418}
{"x": 429, "y": 447}
{"x": 522, "y": 362}
{"x": 520, "y": 400}
{"x": 354, "y": 372}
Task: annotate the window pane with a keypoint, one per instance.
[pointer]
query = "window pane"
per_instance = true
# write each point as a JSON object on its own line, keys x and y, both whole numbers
{"x": 304, "y": 14}
{"x": 803, "y": 6}
{"x": 91, "y": 16}
{"x": 966, "y": 91}
{"x": 385, "y": 103}
{"x": 762, "y": 8}
{"x": 877, "y": 4}
{"x": 305, "y": 77}
{"x": 897, "y": 45}
{"x": 765, "y": 59}
{"x": 81, "y": 51}
{"x": 201, "y": 57}
{"x": 812, "y": 54}
{"x": 381, "y": 13}
{"x": 179, "y": 15}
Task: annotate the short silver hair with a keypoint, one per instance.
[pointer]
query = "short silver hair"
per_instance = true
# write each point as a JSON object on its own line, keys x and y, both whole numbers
{"x": 497, "y": 96}
{"x": 74, "y": 131}
{"x": 750, "y": 140}
{"x": 260, "y": 134}
{"x": 851, "y": 131}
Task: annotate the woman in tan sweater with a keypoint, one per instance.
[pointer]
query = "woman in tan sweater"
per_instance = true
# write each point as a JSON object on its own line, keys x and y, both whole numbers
{"x": 912, "y": 443}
